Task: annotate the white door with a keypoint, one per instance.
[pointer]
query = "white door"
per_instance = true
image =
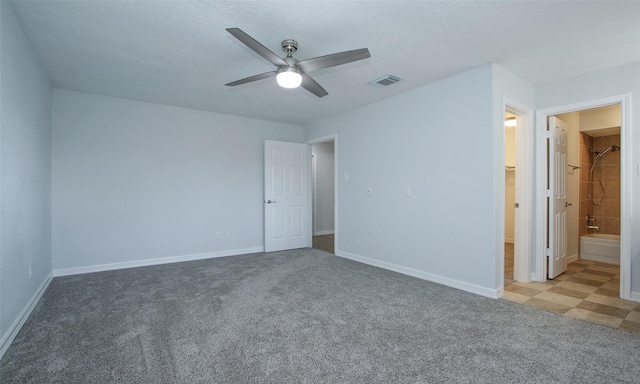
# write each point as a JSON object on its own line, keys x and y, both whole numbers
{"x": 557, "y": 197}
{"x": 285, "y": 196}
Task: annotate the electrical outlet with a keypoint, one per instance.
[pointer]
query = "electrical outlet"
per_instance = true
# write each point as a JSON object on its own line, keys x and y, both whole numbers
{"x": 219, "y": 235}
{"x": 30, "y": 270}
{"x": 369, "y": 191}
{"x": 228, "y": 234}
{"x": 407, "y": 190}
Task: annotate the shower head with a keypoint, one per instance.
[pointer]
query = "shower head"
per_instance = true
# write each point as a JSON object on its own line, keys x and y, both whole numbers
{"x": 612, "y": 148}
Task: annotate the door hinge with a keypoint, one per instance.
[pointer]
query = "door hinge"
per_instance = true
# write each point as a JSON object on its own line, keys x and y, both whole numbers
{"x": 548, "y": 252}
{"x": 549, "y": 134}
{"x": 547, "y": 193}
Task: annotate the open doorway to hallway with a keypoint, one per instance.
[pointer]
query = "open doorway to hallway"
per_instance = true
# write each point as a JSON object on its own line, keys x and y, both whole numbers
{"x": 323, "y": 190}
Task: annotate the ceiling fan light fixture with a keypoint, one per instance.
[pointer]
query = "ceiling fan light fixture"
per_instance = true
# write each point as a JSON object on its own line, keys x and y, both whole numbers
{"x": 289, "y": 78}
{"x": 290, "y": 71}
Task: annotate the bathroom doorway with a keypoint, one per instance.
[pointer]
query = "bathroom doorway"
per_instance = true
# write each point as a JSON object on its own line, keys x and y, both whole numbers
{"x": 593, "y": 184}
{"x": 596, "y": 195}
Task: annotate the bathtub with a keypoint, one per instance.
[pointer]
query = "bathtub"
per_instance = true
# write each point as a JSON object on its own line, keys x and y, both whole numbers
{"x": 600, "y": 247}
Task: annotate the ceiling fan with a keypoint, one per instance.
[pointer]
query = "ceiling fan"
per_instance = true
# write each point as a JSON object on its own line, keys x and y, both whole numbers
{"x": 290, "y": 72}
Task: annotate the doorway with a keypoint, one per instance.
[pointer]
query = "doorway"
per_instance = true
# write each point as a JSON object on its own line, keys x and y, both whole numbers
{"x": 324, "y": 194}
{"x": 509, "y": 196}
{"x": 593, "y": 183}
{"x": 592, "y": 172}
{"x": 588, "y": 120}
{"x": 515, "y": 171}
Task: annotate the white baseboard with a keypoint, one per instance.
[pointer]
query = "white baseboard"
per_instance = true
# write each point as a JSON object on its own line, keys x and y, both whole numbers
{"x": 147, "y": 262}
{"x": 635, "y": 296}
{"x": 322, "y": 233}
{"x": 572, "y": 258}
{"x": 13, "y": 330}
{"x": 478, "y": 290}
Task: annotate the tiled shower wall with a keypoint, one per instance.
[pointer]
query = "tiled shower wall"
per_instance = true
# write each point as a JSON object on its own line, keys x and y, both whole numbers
{"x": 586, "y": 207}
{"x": 607, "y": 214}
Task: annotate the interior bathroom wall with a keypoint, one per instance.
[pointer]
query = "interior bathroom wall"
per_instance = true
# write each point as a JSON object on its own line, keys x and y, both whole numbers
{"x": 573, "y": 182}
{"x": 586, "y": 208}
{"x": 607, "y": 214}
{"x": 323, "y": 196}
{"x": 600, "y": 129}
{"x": 605, "y": 120}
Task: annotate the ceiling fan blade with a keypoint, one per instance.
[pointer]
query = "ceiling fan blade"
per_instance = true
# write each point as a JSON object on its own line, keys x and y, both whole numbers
{"x": 312, "y": 86}
{"x": 261, "y": 76}
{"x": 257, "y": 47}
{"x": 333, "y": 60}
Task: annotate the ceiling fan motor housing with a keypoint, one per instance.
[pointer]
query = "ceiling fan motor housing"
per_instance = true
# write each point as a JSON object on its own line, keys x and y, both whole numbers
{"x": 289, "y": 46}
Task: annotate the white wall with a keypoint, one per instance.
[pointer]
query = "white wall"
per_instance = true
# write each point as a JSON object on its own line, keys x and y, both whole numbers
{"x": 610, "y": 82}
{"x": 25, "y": 176}
{"x": 323, "y": 193}
{"x": 446, "y": 142}
{"x": 135, "y": 181}
{"x": 438, "y": 140}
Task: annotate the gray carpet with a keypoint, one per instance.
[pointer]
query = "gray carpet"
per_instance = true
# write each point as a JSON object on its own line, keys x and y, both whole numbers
{"x": 300, "y": 317}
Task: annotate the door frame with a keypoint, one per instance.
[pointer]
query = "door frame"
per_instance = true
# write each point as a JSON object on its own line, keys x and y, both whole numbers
{"x": 624, "y": 101}
{"x": 523, "y": 234}
{"x": 332, "y": 137}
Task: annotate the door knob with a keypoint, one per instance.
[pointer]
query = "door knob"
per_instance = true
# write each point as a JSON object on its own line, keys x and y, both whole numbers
{"x": 567, "y": 204}
{"x": 270, "y": 201}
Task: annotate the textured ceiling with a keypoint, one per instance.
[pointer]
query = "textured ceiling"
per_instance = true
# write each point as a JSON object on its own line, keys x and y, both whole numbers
{"x": 178, "y": 52}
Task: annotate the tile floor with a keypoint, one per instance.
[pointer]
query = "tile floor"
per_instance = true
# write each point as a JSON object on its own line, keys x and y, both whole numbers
{"x": 588, "y": 290}
{"x": 323, "y": 243}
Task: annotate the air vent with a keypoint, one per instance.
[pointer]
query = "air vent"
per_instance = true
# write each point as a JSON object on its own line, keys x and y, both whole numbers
{"x": 387, "y": 80}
